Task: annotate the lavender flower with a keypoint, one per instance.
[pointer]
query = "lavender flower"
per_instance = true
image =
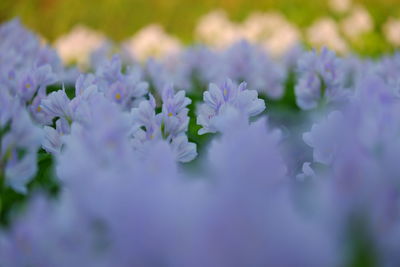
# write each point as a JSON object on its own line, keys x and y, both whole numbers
{"x": 124, "y": 199}
{"x": 49, "y": 234}
{"x": 307, "y": 172}
{"x": 57, "y": 104}
{"x": 246, "y": 62}
{"x": 358, "y": 146}
{"x": 320, "y": 78}
{"x": 19, "y": 146}
{"x": 217, "y": 99}
{"x": 171, "y": 124}
{"x": 26, "y": 65}
{"x": 174, "y": 112}
{"x": 126, "y": 89}
{"x": 53, "y": 142}
{"x": 322, "y": 137}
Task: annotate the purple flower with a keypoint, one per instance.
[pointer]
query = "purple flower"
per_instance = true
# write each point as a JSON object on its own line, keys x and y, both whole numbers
{"x": 320, "y": 77}
{"x": 51, "y": 234}
{"x": 19, "y": 146}
{"x": 53, "y": 142}
{"x": 174, "y": 112}
{"x": 25, "y": 64}
{"x": 323, "y": 136}
{"x": 57, "y": 104}
{"x": 126, "y": 89}
{"x": 83, "y": 82}
{"x": 358, "y": 146}
{"x": 307, "y": 172}
{"x": 184, "y": 150}
{"x": 246, "y": 62}
{"x": 170, "y": 125}
{"x": 218, "y": 98}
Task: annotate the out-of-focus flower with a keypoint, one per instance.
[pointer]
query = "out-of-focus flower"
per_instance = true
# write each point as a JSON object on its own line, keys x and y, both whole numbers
{"x": 124, "y": 199}
{"x": 183, "y": 150}
{"x": 340, "y": 6}
{"x": 57, "y": 104}
{"x": 321, "y": 138}
{"x": 170, "y": 125}
{"x": 133, "y": 213}
{"x": 78, "y": 44}
{"x": 103, "y": 54}
{"x": 272, "y": 31}
{"x": 46, "y": 234}
{"x": 52, "y": 140}
{"x": 229, "y": 202}
{"x": 7, "y": 107}
{"x": 127, "y": 89}
{"x": 307, "y": 172}
{"x": 246, "y": 62}
{"x": 357, "y": 23}
{"x": 219, "y": 100}
{"x": 202, "y": 63}
{"x": 292, "y": 56}
{"x": 158, "y": 75}
{"x": 320, "y": 78}
{"x": 391, "y": 30}
{"x": 174, "y": 112}
{"x": 325, "y": 32}
{"x": 358, "y": 146}
{"x": 27, "y": 67}
{"x": 20, "y": 139}
{"x": 231, "y": 170}
{"x": 152, "y": 41}
{"x": 217, "y": 30}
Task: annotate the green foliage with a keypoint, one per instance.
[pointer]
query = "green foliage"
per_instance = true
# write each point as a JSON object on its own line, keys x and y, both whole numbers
{"x": 69, "y": 90}
{"x": 362, "y": 252}
{"x": 371, "y": 45}
{"x": 44, "y": 181}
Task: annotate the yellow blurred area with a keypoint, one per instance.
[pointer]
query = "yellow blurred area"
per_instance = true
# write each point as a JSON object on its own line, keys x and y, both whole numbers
{"x": 120, "y": 19}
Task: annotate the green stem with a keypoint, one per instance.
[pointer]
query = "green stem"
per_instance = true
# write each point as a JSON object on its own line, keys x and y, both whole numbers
{"x": 2, "y": 182}
{"x": 2, "y": 170}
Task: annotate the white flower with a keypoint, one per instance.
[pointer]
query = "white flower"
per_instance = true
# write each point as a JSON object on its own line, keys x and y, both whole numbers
{"x": 272, "y": 30}
{"x": 359, "y": 21}
{"x": 391, "y": 30}
{"x": 78, "y": 44}
{"x": 340, "y": 6}
{"x": 152, "y": 41}
{"x": 217, "y": 30}
{"x": 324, "y": 32}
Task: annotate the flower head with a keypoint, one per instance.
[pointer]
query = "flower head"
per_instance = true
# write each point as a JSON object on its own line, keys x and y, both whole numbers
{"x": 170, "y": 125}
{"x": 217, "y": 98}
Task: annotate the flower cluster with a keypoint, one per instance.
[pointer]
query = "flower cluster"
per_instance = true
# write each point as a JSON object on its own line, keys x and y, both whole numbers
{"x": 170, "y": 124}
{"x": 20, "y": 140}
{"x": 313, "y": 182}
{"x": 221, "y": 101}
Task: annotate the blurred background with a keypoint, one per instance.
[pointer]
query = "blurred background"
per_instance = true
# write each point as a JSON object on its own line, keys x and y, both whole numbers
{"x": 368, "y": 27}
